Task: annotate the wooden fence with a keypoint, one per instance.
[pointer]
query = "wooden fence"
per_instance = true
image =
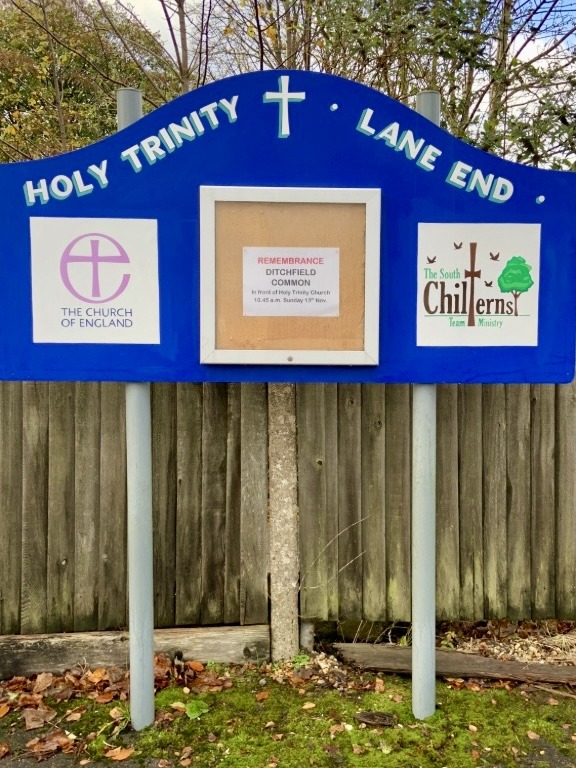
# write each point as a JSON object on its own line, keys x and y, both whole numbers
{"x": 506, "y": 494}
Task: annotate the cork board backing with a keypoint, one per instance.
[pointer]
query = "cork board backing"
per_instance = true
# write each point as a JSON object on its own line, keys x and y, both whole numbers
{"x": 239, "y": 224}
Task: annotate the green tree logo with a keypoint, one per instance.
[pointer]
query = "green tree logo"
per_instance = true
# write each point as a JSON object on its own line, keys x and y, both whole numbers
{"x": 516, "y": 279}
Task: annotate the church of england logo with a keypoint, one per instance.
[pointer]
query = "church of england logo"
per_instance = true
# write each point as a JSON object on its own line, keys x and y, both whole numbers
{"x": 478, "y": 285}
{"x": 94, "y": 281}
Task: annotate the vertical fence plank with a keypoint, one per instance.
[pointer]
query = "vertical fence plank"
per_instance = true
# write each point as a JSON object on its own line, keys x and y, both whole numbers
{"x": 112, "y": 603}
{"x": 398, "y": 500}
{"x": 350, "y": 501}
{"x": 254, "y": 504}
{"x": 316, "y": 406}
{"x": 495, "y": 529}
{"x": 233, "y": 509}
{"x": 373, "y": 479}
{"x": 518, "y": 500}
{"x": 11, "y": 470}
{"x": 87, "y": 504}
{"x": 448, "y": 521}
{"x": 164, "y": 502}
{"x": 543, "y": 501}
{"x": 61, "y": 532}
{"x": 34, "y": 507}
{"x": 188, "y": 503}
{"x": 214, "y": 449}
{"x": 566, "y": 501}
{"x": 471, "y": 538}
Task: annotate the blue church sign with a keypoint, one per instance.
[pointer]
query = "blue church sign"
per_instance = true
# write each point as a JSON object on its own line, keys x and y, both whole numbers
{"x": 286, "y": 226}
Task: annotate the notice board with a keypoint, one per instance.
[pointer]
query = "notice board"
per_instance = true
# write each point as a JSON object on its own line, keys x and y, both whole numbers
{"x": 286, "y": 226}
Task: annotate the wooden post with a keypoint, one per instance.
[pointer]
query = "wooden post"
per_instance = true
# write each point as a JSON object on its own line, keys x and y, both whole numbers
{"x": 283, "y": 521}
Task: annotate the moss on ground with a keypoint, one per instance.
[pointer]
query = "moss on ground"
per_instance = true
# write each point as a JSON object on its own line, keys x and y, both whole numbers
{"x": 259, "y": 722}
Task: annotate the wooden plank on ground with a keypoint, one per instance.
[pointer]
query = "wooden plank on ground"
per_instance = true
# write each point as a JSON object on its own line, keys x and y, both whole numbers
{"x": 518, "y": 500}
{"x": 164, "y": 502}
{"x": 27, "y": 655}
{"x": 10, "y": 505}
{"x": 392, "y": 658}
{"x": 543, "y": 501}
{"x": 447, "y": 504}
{"x": 214, "y": 448}
{"x": 350, "y": 501}
{"x": 398, "y": 501}
{"x": 373, "y": 479}
{"x": 34, "y": 506}
{"x": 495, "y": 529}
{"x": 112, "y": 603}
{"x": 87, "y": 505}
{"x": 471, "y": 523}
{"x": 233, "y": 508}
{"x": 566, "y": 501}
{"x": 254, "y": 504}
{"x": 188, "y": 503}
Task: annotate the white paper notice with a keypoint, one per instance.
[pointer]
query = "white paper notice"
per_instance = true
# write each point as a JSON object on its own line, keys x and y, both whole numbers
{"x": 293, "y": 282}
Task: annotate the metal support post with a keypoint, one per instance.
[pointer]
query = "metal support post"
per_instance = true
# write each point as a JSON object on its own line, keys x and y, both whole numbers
{"x": 139, "y": 486}
{"x": 424, "y": 518}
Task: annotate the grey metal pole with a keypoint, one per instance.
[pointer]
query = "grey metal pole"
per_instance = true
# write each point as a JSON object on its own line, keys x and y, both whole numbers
{"x": 139, "y": 487}
{"x": 424, "y": 517}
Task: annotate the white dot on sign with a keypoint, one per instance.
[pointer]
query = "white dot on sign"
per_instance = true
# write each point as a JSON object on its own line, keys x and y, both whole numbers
{"x": 540, "y": 199}
{"x": 333, "y": 107}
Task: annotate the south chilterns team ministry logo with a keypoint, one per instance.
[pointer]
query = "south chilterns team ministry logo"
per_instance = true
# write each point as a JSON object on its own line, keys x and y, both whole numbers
{"x": 95, "y": 281}
{"x": 478, "y": 285}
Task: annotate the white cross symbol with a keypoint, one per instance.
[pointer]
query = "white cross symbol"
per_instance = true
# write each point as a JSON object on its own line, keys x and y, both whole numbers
{"x": 283, "y": 97}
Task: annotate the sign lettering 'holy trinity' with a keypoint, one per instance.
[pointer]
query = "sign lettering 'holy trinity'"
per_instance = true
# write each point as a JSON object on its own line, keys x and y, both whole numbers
{"x": 286, "y": 226}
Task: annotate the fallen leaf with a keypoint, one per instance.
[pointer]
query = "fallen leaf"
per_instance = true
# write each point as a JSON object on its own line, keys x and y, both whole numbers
{"x": 186, "y": 761}
{"x": 187, "y": 751}
{"x": 97, "y": 675}
{"x": 277, "y": 736}
{"x": 553, "y": 702}
{"x": 4, "y": 709}
{"x": 270, "y": 724}
{"x": 358, "y": 750}
{"x": 75, "y": 715}
{"x": 116, "y": 713}
{"x": 379, "y": 685}
{"x": 475, "y": 755}
{"x": 211, "y": 738}
{"x": 46, "y": 746}
{"x": 308, "y": 705}
{"x": 197, "y": 666}
{"x": 119, "y": 753}
{"x": 36, "y": 718}
{"x": 473, "y": 728}
{"x": 4, "y": 749}
{"x": 105, "y": 698}
{"x": 532, "y": 735}
{"x": 43, "y": 682}
{"x": 163, "y": 763}
{"x": 262, "y": 695}
{"x": 179, "y": 706}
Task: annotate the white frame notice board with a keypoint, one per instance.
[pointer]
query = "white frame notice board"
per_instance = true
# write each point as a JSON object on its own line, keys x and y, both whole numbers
{"x": 336, "y": 228}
